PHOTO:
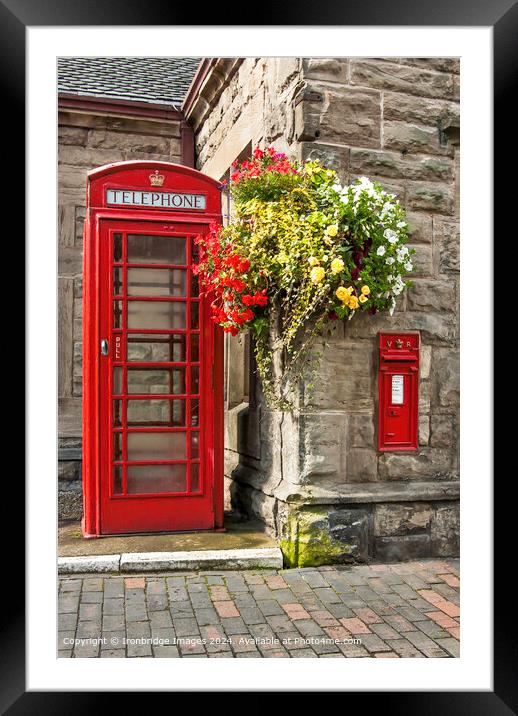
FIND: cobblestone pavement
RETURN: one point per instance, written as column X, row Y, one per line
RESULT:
column 399, row 610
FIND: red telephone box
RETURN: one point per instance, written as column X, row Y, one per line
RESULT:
column 398, row 392
column 152, row 358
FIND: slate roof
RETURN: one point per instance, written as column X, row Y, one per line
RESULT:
column 158, row 80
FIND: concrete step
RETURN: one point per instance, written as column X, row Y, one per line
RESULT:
column 254, row 558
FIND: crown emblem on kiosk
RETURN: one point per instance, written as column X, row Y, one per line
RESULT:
column 156, row 178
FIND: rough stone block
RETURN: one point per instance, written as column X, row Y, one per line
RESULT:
column 447, row 244
column 430, row 197
column 446, row 378
column 334, row 69
column 401, row 78
column 418, row 139
column 427, row 463
column 402, row 549
column 74, row 136
column 345, row 378
column 362, row 465
column 323, row 447
column 424, row 429
column 425, row 362
column 442, row 430
column 333, row 157
column 440, row 64
column 431, row 295
column 422, row 261
column 425, row 396
column 420, row 228
column 70, row 261
column 429, row 112
column 87, row 157
column 352, row 527
column 436, row 329
column 445, row 530
column 343, row 115
column 320, row 535
column 390, row 164
column 69, row 470
column 402, row 519
column 105, row 139
column 360, row 431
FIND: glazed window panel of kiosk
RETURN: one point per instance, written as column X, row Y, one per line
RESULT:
column 157, row 348
column 144, row 479
column 168, row 381
column 169, row 315
column 152, row 249
column 156, row 446
column 157, row 282
column 156, row 413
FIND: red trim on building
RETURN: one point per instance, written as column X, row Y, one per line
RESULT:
column 194, row 88
column 105, row 105
column 187, row 144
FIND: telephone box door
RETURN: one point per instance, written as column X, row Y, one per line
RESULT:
column 156, row 409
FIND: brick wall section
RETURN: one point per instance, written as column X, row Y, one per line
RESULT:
column 86, row 141
column 395, row 120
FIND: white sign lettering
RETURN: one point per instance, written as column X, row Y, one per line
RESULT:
column 398, row 389
column 163, row 199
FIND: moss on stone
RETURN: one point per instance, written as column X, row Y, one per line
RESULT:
column 307, row 540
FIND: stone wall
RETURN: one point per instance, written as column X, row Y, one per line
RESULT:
column 86, row 141
column 316, row 477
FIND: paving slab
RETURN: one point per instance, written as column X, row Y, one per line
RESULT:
column 238, row 535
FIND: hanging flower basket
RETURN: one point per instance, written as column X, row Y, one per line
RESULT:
column 302, row 252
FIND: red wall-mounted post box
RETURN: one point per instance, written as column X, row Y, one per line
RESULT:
column 398, row 392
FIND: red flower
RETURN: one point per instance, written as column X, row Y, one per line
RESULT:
column 258, row 153
column 260, row 299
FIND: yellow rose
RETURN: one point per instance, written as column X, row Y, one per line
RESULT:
column 337, row 265
column 313, row 261
column 363, row 298
column 353, row 302
column 342, row 294
column 317, row 274
column 365, row 290
column 332, row 230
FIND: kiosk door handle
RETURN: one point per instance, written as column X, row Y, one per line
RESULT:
column 104, row 347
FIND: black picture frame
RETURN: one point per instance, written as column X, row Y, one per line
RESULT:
column 502, row 16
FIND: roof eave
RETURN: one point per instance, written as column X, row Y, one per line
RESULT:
column 122, row 107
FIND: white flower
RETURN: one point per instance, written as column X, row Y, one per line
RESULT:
column 390, row 235
column 401, row 224
column 337, row 188
column 390, row 260
column 390, row 278
column 402, row 253
column 381, row 251
column 409, row 266
column 398, row 286
column 393, row 306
